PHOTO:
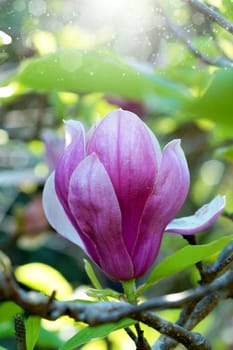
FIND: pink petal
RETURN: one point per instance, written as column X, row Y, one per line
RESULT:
column 202, row 219
column 73, row 154
column 167, row 198
column 64, row 224
column 131, row 156
column 91, row 131
column 94, row 205
column 56, row 215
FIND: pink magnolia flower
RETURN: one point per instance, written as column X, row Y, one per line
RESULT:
column 114, row 193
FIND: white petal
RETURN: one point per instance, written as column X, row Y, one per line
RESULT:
column 56, row 214
column 202, row 219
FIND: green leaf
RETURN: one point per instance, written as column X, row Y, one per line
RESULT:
column 182, row 259
column 103, row 294
column 49, row 339
column 99, row 71
column 7, row 311
column 2, row 348
column 90, row 333
column 215, row 102
column 32, row 331
column 91, row 274
column 7, row 329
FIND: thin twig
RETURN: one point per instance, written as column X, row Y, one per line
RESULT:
column 131, row 334
column 199, row 265
column 213, row 15
column 141, row 343
column 181, row 35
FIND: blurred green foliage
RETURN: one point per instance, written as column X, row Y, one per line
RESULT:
column 75, row 60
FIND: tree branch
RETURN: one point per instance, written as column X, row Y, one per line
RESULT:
column 190, row 319
column 191, row 340
column 96, row 313
column 197, row 302
column 103, row 312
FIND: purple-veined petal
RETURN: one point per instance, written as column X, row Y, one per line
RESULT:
column 64, row 224
column 131, row 157
column 202, row 219
column 91, row 132
column 174, row 180
column 163, row 204
column 94, row 205
column 73, row 154
column 56, row 215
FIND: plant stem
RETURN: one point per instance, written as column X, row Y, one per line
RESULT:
column 131, row 296
column 130, row 291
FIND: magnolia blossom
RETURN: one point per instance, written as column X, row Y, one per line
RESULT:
column 114, row 193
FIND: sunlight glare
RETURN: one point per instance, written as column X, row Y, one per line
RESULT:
column 5, row 38
column 7, row 91
column 128, row 22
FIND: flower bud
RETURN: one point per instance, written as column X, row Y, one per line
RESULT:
column 114, row 193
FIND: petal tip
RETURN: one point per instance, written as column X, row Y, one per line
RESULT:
column 218, row 203
column 201, row 220
column 72, row 129
column 175, row 146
